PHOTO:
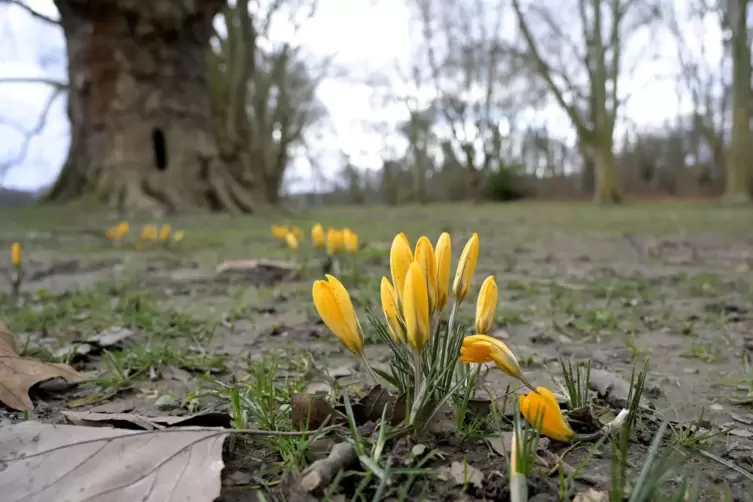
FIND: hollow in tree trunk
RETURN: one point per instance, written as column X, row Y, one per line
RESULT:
column 139, row 108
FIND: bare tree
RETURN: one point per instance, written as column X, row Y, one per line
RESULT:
column 735, row 23
column 606, row 28
column 477, row 84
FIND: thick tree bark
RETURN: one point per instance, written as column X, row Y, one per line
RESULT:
column 607, row 187
column 139, row 107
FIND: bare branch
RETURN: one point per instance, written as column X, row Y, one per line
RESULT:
column 57, row 84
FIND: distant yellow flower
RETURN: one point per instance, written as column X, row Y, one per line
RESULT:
column 391, row 311
column 15, row 254
column 164, row 232
column 291, row 240
column 178, row 235
column 297, row 232
column 334, row 241
column 443, row 257
column 280, row 231
column 317, row 235
column 425, row 258
column 416, row 307
column 543, row 412
column 401, row 257
column 486, row 306
column 350, row 239
column 123, row 228
column 485, row 349
column 334, row 306
column 466, row 267
column 149, row 232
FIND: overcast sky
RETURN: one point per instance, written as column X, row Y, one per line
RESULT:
column 368, row 36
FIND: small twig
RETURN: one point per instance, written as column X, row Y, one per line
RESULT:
column 320, row 473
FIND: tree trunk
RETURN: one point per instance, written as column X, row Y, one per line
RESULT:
column 139, row 107
column 739, row 158
column 607, row 189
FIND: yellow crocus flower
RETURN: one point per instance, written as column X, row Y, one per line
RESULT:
column 334, row 306
column 443, row 258
column 401, row 257
column 416, row 307
column 350, row 239
column 149, row 232
column 391, row 311
column 280, row 231
column 291, row 240
column 466, row 267
column 164, row 232
column 486, row 306
column 542, row 411
column 485, row 349
column 178, row 235
column 334, row 241
column 317, row 235
column 15, row 254
column 425, row 258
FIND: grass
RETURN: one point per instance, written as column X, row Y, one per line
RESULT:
column 574, row 295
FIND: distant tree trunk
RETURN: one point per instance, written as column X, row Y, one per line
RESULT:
column 139, row 107
column 607, row 187
column 739, row 158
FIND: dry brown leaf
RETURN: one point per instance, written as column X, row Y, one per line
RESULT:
column 591, row 496
column 311, row 411
column 134, row 421
column 462, row 473
column 97, row 464
column 19, row 374
column 253, row 265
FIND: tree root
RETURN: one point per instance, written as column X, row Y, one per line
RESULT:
column 320, row 474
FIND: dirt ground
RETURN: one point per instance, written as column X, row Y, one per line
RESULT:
column 669, row 282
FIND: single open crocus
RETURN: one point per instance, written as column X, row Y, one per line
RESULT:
column 426, row 259
column 178, row 235
column 542, row 411
column 416, row 307
column 291, row 240
column 466, row 266
column 401, row 258
column 443, row 258
column 350, row 239
column 391, row 312
column 317, row 236
column 486, row 306
column 486, row 349
column 334, row 306
column 15, row 254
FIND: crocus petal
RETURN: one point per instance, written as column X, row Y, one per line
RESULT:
column 542, row 411
column 401, row 257
column 486, row 349
column 391, row 312
column 443, row 258
column 486, row 305
column 333, row 304
column 15, row 254
column 426, row 259
column 466, row 267
column 291, row 240
column 416, row 307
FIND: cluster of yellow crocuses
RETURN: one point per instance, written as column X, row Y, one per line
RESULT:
column 413, row 303
column 334, row 241
column 149, row 234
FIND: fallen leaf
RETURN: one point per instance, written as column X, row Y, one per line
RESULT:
column 741, row 433
column 311, row 411
column 111, row 337
column 134, row 421
column 177, row 374
column 370, row 407
column 611, row 387
column 246, row 265
column 97, row 464
column 500, row 444
column 19, row 374
column 463, row 473
column 591, row 496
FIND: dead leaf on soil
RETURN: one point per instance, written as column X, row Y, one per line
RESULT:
column 310, row 411
column 462, row 473
column 611, row 387
column 134, row 421
column 97, row 464
column 19, row 374
column 111, row 337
